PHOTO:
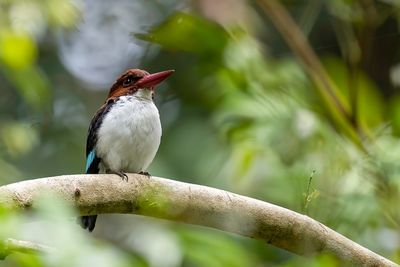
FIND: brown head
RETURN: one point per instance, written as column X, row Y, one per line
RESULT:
column 134, row 79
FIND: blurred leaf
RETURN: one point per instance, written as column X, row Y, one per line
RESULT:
column 9, row 173
column 54, row 225
column 394, row 109
column 371, row 107
column 369, row 102
column 10, row 223
column 26, row 260
column 214, row 249
column 322, row 260
column 18, row 138
column 33, row 86
column 64, row 13
column 186, row 32
column 17, row 50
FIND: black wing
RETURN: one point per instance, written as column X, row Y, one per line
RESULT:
column 92, row 160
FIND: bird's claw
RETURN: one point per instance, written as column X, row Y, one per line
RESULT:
column 145, row 173
column 123, row 175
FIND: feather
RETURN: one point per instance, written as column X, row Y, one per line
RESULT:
column 92, row 161
column 90, row 158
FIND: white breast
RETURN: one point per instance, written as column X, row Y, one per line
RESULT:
column 129, row 136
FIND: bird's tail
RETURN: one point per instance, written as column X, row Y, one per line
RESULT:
column 88, row 222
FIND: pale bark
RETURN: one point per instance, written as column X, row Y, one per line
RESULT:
column 194, row 204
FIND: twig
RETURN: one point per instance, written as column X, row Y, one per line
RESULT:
column 201, row 205
column 309, row 196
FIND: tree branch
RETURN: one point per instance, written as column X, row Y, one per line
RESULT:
column 193, row 204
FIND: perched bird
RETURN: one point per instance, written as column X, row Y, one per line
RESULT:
column 125, row 132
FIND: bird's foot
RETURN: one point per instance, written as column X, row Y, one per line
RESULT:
column 145, row 173
column 123, row 175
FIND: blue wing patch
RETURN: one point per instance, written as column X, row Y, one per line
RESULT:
column 90, row 158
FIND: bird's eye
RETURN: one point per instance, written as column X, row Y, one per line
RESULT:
column 128, row 81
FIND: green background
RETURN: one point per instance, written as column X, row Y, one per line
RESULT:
column 240, row 113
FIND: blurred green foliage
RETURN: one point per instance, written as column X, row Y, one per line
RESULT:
column 240, row 114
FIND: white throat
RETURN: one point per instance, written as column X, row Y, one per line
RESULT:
column 144, row 94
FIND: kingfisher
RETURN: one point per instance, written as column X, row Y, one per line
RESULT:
column 125, row 132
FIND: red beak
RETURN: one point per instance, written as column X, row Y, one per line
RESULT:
column 154, row 79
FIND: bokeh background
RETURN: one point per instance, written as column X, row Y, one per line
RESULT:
column 245, row 111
